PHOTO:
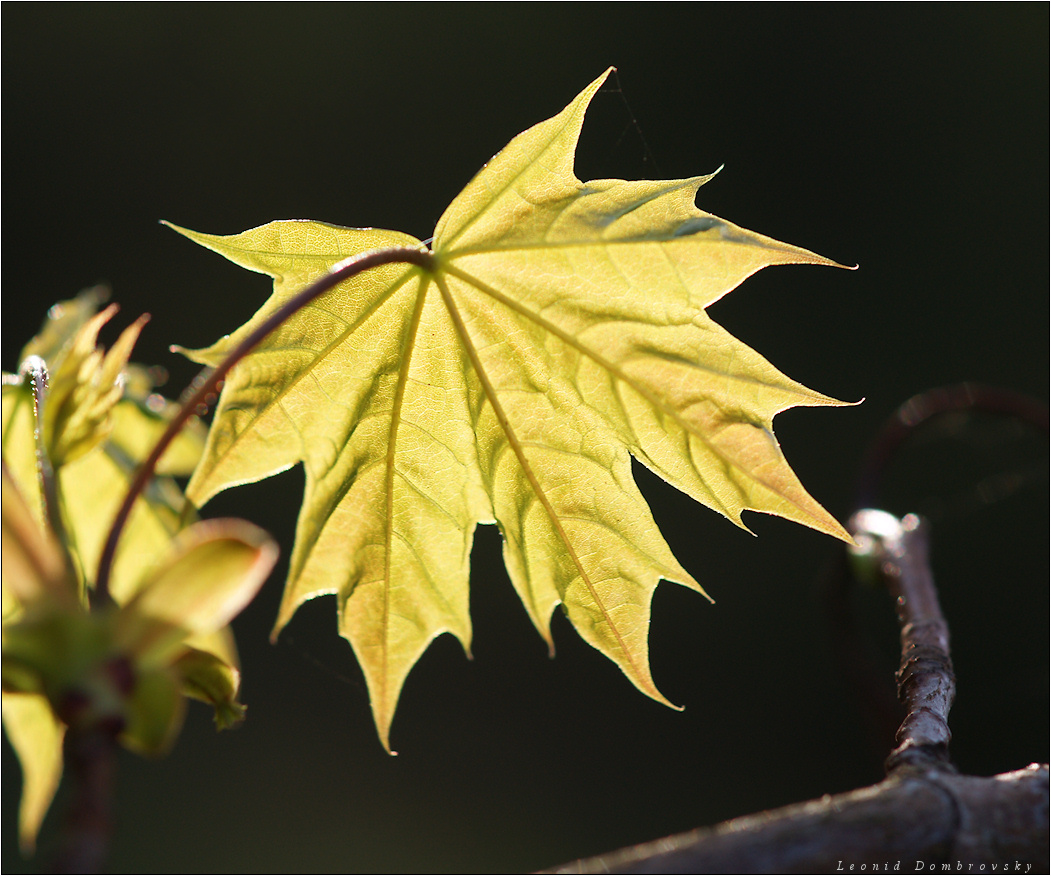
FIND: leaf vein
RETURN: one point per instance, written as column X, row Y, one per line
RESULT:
column 651, row 398
column 278, row 396
column 537, row 488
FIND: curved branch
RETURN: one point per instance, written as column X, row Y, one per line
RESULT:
column 920, row 410
column 905, row 824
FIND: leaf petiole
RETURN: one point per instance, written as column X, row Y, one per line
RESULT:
column 346, row 269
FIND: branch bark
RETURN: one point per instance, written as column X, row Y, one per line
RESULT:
column 907, row 823
column 923, row 815
column 926, row 682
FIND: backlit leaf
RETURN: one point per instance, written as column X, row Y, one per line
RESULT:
column 559, row 329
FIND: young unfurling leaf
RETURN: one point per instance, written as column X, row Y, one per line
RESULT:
column 99, row 420
column 74, row 429
column 125, row 667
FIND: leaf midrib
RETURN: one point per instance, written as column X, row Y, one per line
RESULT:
column 538, row 490
column 392, row 440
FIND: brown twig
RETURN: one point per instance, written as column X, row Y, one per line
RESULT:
column 925, row 413
column 923, row 813
column 898, row 550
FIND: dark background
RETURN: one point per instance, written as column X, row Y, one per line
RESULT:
column 908, row 139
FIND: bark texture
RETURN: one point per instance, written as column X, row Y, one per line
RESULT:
column 917, row 820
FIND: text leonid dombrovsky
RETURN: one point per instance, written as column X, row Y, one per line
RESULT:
column 926, row 867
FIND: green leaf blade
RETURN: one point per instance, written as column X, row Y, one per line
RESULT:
column 560, row 330
column 278, row 391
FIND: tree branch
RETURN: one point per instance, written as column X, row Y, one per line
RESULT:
column 91, row 762
column 923, row 813
column 913, row 821
column 926, row 683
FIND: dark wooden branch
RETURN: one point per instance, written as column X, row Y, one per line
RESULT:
column 933, row 818
column 926, row 684
column 923, row 814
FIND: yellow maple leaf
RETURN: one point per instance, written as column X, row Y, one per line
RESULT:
column 555, row 329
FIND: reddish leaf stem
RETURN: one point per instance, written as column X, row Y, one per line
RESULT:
column 351, row 267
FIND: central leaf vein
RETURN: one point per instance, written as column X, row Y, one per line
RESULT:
column 519, row 451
